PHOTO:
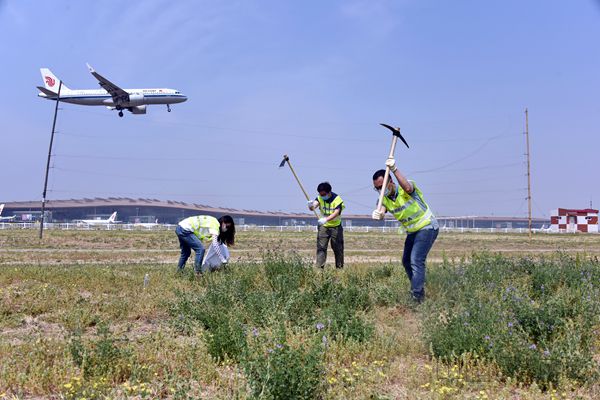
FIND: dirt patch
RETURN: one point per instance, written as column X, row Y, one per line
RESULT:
column 32, row 327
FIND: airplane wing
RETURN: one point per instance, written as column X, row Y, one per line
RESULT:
column 119, row 95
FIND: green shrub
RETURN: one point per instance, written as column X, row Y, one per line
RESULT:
column 225, row 337
column 282, row 371
column 280, row 289
column 534, row 318
column 343, row 322
column 216, row 311
column 285, row 274
column 106, row 356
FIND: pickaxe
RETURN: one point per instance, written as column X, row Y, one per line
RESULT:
column 281, row 164
column 395, row 135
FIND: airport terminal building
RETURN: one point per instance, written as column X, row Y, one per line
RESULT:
column 171, row 212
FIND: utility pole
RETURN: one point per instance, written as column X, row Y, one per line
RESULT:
column 48, row 162
column 528, row 171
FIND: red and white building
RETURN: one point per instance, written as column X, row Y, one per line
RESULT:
column 566, row 220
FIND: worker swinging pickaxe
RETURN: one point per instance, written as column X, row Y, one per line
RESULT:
column 281, row 164
column 395, row 135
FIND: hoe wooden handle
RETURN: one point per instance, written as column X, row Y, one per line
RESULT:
column 300, row 184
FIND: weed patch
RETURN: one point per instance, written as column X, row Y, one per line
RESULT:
column 285, row 295
column 535, row 319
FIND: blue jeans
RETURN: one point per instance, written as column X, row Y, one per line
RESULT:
column 416, row 248
column 187, row 242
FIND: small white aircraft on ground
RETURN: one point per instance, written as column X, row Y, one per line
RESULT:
column 5, row 219
column 147, row 224
column 111, row 95
column 543, row 228
column 97, row 222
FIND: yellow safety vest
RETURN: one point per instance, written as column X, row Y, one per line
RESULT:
column 412, row 214
column 328, row 207
column 203, row 226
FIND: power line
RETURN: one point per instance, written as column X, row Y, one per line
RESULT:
column 327, row 130
column 497, row 166
column 473, row 192
column 473, row 153
column 77, row 171
column 486, row 179
column 197, row 195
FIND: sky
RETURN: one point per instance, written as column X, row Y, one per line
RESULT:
column 313, row 80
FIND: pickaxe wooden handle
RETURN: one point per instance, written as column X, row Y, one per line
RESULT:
column 395, row 135
column 287, row 159
column 386, row 177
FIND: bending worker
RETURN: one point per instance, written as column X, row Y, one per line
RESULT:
column 408, row 206
column 330, row 225
column 193, row 230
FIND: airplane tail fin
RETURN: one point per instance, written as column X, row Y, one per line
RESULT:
column 112, row 217
column 1, row 208
column 51, row 82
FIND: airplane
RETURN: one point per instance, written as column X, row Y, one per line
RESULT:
column 96, row 222
column 147, row 224
column 543, row 228
column 112, row 96
column 5, row 219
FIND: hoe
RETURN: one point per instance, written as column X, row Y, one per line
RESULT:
column 281, row 164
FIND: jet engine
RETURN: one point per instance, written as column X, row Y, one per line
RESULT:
column 136, row 99
column 138, row 109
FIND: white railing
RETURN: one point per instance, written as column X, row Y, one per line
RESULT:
column 247, row 228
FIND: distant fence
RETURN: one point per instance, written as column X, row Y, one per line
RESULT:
column 248, row 228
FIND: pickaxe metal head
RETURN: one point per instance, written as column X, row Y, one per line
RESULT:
column 285, row 158
column 396, row 132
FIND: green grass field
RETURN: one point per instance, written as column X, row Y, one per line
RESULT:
column 505, row 318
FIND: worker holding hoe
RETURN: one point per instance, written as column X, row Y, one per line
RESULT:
column 193, row 230
column 407, row 205
column 330, row 224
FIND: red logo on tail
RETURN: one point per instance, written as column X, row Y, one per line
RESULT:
column 49, row 81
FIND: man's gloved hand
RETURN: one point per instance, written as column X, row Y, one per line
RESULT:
column 378, row 215
column 322, row 221
column 311, row 205
column 391, row 163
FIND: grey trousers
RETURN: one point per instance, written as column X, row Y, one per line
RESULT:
column 336, row 235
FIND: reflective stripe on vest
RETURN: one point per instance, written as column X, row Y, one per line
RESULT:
column 408, row 211
column 416, row 226
column 328, row 208
column 404, row 207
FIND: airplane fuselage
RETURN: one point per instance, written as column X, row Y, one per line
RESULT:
column 93, row 222
column 138, row 97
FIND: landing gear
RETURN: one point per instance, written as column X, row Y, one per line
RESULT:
column 121, row 114
column 168, row 108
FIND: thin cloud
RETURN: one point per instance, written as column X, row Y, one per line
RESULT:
column 13, row 13
column 376, row 18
